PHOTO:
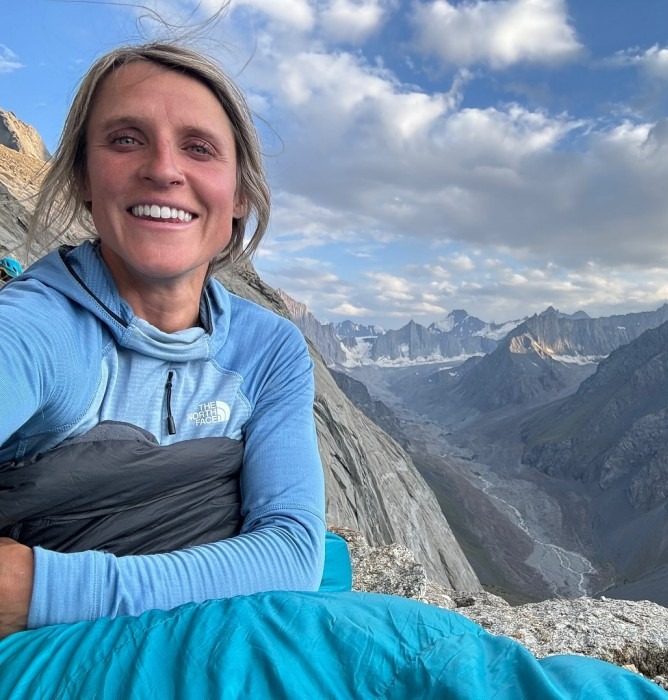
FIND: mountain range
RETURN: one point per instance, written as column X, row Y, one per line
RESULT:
column 349, row 344
column 581, row 401
column 551, row 335
column 540, row 360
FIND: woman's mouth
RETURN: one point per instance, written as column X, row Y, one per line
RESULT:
column 155, row 211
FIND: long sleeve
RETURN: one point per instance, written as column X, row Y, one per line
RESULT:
column 42, row 365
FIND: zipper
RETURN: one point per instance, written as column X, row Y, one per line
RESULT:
column 171, row 426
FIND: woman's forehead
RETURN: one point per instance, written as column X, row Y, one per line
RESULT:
column 147, row 87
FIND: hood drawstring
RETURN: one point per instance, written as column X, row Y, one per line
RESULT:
column 171, row 426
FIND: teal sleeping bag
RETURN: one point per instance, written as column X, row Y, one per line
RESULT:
column 289, row 646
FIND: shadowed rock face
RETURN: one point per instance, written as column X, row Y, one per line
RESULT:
column 612, row 436
column 372, row 485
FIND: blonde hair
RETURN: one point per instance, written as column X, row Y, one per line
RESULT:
column 60, row 202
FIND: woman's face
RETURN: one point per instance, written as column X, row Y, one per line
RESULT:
column 161, row 176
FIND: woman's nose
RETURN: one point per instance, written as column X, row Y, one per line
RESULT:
column 161, row 165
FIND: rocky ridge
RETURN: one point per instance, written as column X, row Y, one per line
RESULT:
column 21, row 137
column 322, row 335
column 623, row 405
column 372, row 408
column 546, row 357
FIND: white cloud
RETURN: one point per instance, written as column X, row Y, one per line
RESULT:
column 504, row 176
column 498, row 296
column 497, row 32
column 338, row 89
column 8, row 60
column 298, row 14
column 349, row 310
column 654, row 61
column 463, row 262
column 390, row 287
column 351, row 21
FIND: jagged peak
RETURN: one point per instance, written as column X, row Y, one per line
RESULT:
column 550, row 311
column 459, row 315
column 21, row 137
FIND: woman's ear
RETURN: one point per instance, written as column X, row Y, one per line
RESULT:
column 84, row 191
column 240, row 206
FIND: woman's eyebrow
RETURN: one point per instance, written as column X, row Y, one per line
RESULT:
column 119, row 121
column 188, row 129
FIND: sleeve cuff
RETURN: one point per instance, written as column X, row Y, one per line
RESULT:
column 66, row 587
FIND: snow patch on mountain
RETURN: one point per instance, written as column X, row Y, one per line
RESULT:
column 494, row 332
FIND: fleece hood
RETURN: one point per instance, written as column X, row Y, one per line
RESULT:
column 81, row 275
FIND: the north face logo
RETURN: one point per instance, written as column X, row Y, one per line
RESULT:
column 212, row 412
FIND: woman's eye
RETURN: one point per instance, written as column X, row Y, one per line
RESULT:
column 125, row 140
column 201, row 149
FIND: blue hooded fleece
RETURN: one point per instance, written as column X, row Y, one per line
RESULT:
column 73, row 354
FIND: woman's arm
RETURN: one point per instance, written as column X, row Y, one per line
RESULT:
column 16, row 577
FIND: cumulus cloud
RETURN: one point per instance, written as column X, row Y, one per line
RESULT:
column 507, row 292
column 463, row 262
column 349, row 310
column 9, row 61
column 351, row 21
column 496, row 32
column 654, row 61
column 506, row 176
column 297, row 14
column 339, row 85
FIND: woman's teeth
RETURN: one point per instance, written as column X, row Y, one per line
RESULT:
column 157, row 212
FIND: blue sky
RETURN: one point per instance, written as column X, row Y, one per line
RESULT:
column 498, row 156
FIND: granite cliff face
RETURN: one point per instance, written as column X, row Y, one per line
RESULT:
column 322, row 335
column 371, row 483
column 372, row 408
column 578, row 336
column 21, row 137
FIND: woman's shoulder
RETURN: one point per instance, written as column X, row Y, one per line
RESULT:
column 37, row 317
column 246, row 316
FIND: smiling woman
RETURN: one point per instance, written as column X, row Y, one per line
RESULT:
column 161, row 182
column 159, row 464
column 124, row 338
